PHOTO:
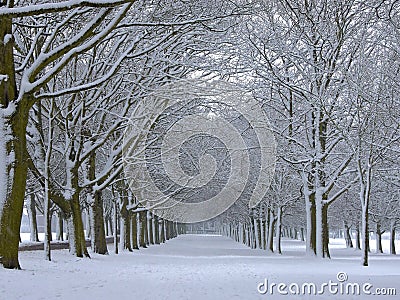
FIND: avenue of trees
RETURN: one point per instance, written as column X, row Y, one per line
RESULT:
column 326, row 72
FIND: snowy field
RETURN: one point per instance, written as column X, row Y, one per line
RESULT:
column 196, row 267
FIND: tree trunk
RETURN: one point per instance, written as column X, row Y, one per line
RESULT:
column 263, row 234
column 96, row 212
column 378, row 238
column 151, row 231
column 162, row 236
column 278, row 230
column 98, row 235
column 393, row 237
column 318, row 228
column 14, row 177
column 358, row 244
column 134, row 230
column 365, row 235
column 110, row 226
column 347, row 235
column 259, row 241
column 60, row 226
column 243, row 234
column 115, row 226
column 311, row 230
column 295, row 233
column 253, row 234
column 88, row 222
column 272, row 220
column 121, row 233
column 127, row 225
column 325, row 231
column 168, row 230
column 143, row 228
column 13, row 122
column 156, row 230
column 77, row 242
column 266, row 226
column 47, row 231
column 31, row 207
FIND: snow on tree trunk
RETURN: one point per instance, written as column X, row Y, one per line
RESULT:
column 121, row 233
column 318, row 224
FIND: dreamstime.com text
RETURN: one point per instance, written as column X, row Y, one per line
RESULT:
column 340, row 286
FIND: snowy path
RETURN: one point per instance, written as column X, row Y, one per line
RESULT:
column 189, row 267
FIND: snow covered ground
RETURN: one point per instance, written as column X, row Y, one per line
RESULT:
column 198, row 267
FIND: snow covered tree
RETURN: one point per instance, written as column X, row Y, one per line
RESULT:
column 35, row 47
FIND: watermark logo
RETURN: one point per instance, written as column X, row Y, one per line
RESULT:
column 193, row 148
column 340, row 286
